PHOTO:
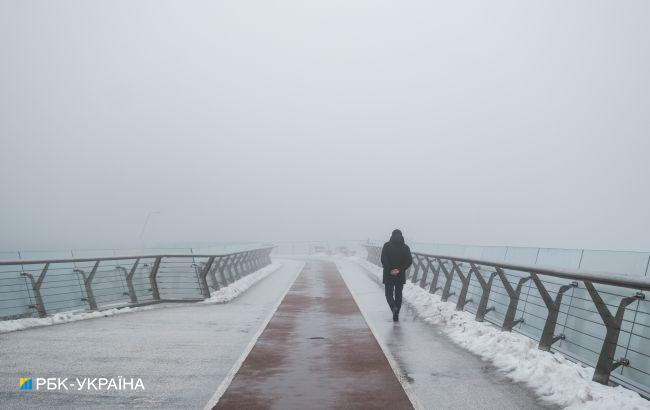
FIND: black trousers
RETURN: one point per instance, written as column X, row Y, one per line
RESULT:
column 394, row 294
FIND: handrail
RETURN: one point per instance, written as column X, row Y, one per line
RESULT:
column 117, row 258
column 485, row 272
column 604, row 278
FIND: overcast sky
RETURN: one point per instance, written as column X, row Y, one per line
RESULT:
column 482, row 122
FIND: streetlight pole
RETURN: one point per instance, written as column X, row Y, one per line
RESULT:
column 144, row 227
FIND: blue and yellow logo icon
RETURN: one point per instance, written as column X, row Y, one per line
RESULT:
column 25, row 383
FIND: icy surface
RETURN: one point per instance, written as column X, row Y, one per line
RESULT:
column 223, row 295
column 432, row 367
column 181, row 352
column 554, row 378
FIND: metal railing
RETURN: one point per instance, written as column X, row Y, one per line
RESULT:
column 598, row 319
column 40, row 287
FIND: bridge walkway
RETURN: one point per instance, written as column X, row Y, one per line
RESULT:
column 181, row 352
column 438, row 372
column 316, row 352
column 331, row 343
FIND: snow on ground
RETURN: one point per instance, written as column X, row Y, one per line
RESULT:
column 235, row 289
column 63, row 317
column 223, row 295
column 554, row 378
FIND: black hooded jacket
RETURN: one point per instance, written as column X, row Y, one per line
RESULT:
column 396, row 255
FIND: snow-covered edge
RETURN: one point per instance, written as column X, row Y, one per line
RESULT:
column 235, row 289
column 223, row 295
column 552, row 377
column 64, row 317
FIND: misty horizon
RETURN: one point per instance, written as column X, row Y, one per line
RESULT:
column 463, row 123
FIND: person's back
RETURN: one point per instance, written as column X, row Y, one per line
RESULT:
column 396, row 259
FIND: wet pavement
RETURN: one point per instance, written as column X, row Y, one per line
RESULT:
column 438, row 372
column 317, row 352
column 181, row 352
column 321, row 349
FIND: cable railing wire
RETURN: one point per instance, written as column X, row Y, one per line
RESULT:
column 45, row 286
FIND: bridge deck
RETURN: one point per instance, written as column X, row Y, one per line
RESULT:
column 441, row 374
column 180, row 351
column 183, row 352
column 316, row 352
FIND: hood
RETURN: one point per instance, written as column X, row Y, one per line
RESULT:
column 396, row 237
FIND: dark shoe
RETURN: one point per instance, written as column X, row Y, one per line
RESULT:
column 395, row 315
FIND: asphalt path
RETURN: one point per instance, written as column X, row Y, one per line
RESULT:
column 181, row 352
column 316, row 353
column 438, row 372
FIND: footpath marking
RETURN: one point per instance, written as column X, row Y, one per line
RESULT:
column 235, row 368
column 316, row 352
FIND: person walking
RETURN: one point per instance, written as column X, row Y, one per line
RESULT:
column 396, row 259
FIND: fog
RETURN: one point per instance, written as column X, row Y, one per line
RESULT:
column 501, row 122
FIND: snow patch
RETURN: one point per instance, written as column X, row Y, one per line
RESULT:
column 63, row 317
column 554, row 378
column 237, row 288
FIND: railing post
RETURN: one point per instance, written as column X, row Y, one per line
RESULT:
column 222, row 269
column 436, row 274
column 450, row 277
column 243, row 266
column 212, row 272
column 246, row 263
column 606, row 362
column 425, row 272
column 90, row 296
column 230, row 268
column 236, row 266
column 89, row 287
column 243, row 271
column 36, row 288
column 462, row 298
column 249, row 262
column 248, row 266
column 255, row 259
column 129, row 280
column 203, row 278
column 262, row 258
column 153, row 280
column 486, row 286
column 416, row 268
column 509, row 321
column 553, row 306
column 265, row 259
